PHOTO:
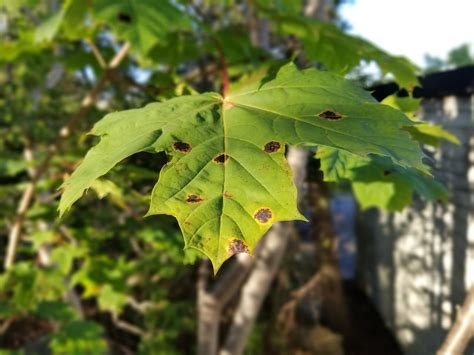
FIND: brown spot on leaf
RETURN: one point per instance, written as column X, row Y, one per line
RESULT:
column 194, row 198
column 221, row 158
column 271, row 147
column 182, row 147
column 124, row 17
column 263, row 215
column 330, row 115
column 228, row 195
column 237, row 246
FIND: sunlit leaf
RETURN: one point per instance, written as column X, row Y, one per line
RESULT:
column 425, row 133
column 11, row 167
column 377, row 181
column 48, row 29
column 431, row 134
column 105, row 188
column 228, row 180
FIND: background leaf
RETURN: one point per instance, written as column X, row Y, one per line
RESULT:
column 377, row 181
column 144, row 23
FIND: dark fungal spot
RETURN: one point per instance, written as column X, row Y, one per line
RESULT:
column 263, row 215
column 194, row 198
column 237, row 246
column 271, row 147
column 386, row 172
column 124, row 17
column 330, row 115
column 182, row 147
column 221, row 158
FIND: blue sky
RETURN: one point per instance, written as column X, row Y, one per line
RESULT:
column 413, row 27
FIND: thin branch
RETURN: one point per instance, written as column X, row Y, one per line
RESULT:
column 144, row 306
column 97, row 54
column 462, row 330
column 131, row 328
column 28, row 194
column 6, row 324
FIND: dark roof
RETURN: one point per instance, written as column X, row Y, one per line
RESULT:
column 458, row 82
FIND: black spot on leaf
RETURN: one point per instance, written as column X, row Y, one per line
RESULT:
column 329, row 115
column 221, row 158
column 194, row 198
column 182, row 147
column 237, row 246
column 271, row 147
column 124, row 17
column 387, row 172
column 263, row 215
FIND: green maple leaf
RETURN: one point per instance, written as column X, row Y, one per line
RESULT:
column 377, row 181
column 228, row 179
column 144, row 23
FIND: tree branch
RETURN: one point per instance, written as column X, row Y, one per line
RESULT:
column 213, row 298
column 97, row 54
column 209, row 312
column 27, row 197
column 462, row 330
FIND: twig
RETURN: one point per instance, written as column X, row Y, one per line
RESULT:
column 98, row 56
column 6, row 324
column 462, row 330
column 144, row 306
column 27, row 197
column 223, row 64
column 131, row 328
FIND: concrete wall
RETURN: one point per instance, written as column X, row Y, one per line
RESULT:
column 418, row 264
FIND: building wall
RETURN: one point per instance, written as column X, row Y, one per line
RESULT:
column 418, row 264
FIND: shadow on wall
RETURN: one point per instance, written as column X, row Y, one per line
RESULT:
column 421, row 261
